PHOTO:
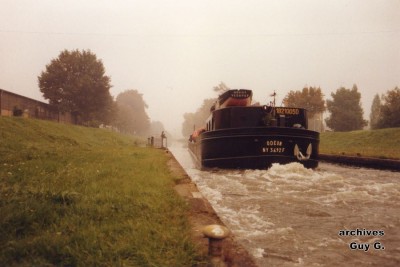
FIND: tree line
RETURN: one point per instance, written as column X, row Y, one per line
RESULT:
column 191, row 120
column 76, row 82
column 385, row 110
column 345, row 110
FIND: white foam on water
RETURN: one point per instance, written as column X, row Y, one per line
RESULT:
column 282, row 231
column 258, row 252
column 246, row 220
column 228, row 184
column 293, row 169
column 330, row 242
column 214, row 196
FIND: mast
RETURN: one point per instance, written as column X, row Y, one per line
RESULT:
column 273, row 95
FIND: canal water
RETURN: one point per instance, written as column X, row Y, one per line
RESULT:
column 292, row 216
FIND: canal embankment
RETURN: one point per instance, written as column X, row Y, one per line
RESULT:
column 367, row 148
column 366, row 162
column 79, row 196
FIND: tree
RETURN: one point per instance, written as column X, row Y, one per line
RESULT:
column 76, row 82
column 346, row 111
column 132, row 117
column 197, row 119
column 375, row 116
column 390, row 109
column 189, row 124
column 310, row 98
column 221, row 88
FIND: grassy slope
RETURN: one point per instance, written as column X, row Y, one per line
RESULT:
column 83, row 197
column 383, row 143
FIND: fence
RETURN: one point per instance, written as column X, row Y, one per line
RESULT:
column 160, row 142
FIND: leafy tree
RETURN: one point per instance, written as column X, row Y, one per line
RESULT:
column 221, row 88
column 310, row 98
column 189, row 124
column 76, row 82
column 375, row 116
column 346, row 111
column 197, row 119
column 132, row 117
column 390, row 109
column 125, row 119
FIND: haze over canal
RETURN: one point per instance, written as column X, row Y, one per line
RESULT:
column 292, row 216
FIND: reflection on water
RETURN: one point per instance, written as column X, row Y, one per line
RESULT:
column 292, row 216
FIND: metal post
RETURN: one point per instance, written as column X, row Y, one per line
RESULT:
column 216, row 234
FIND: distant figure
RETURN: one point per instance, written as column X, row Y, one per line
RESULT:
column 162, row 139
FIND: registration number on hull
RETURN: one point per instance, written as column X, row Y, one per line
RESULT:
column 273, row 147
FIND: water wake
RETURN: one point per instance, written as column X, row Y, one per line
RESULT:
column 289, row 215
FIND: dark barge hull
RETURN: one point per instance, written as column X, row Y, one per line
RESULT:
column 255, row 148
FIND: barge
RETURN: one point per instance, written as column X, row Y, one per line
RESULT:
column 240, row 135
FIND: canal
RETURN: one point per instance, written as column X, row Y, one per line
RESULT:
column 292, row 216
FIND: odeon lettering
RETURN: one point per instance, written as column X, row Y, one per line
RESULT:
column 274, row 143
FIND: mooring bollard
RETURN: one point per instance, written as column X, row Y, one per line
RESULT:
column 216, row 234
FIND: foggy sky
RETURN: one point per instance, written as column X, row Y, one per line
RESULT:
column 174, row 52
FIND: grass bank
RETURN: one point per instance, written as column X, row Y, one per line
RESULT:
column 86, row 197
column 383, row 143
